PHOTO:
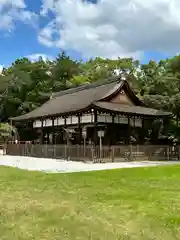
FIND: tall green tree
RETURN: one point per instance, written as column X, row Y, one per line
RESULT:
column 63, row 71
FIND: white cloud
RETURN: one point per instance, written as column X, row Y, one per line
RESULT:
column 47, row 5
column 113, row 28
column 36, row 56
column 12, row 11
column 46, row 34
column 13, row 3
column 1, row 68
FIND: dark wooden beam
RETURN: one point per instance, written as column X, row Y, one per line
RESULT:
column 95, row 127
column 53, row 132
column 79, row 130
column 129, row 130
column 143, row 131
column 41, row 133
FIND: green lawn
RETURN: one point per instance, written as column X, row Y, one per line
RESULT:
column 124, row 204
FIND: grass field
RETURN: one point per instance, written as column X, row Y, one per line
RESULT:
column 142, row 203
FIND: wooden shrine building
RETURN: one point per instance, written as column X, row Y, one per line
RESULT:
column 108, row 110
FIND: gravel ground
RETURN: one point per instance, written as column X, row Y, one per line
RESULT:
column 58, row 166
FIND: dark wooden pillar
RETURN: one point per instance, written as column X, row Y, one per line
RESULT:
column 129, row 131
column 79, row 130
column 53, row 132
column 112, row 134
column 48, row 138
column 142, row 134
column 41, row 133
column 143, row 130
column 95, row 128
column 65, row 135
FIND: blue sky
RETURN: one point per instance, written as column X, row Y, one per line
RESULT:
column 86, row 30
column 23, row 40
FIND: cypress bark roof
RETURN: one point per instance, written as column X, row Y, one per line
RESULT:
column 74, row 99
column 83, row 97
column 132, row 110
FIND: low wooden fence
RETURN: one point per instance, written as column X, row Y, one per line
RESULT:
column 96, row 154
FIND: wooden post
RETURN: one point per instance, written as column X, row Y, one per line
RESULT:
column 95, row 128
column 142, row 132
column 79, row 130
column 84, row 140
column 41, row 133
column 131, row 152
column 112, row 148
column 92, row 153
column 53, row 134
column 65, row 151
column 100, row 145
column 47, row 142
column 54, row 150
column 84, row 145
column 128, row 140
column 46, row 150
column 168, row 153
column 100, row 135
column 65, row 138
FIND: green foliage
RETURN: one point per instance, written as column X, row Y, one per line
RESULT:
column 7, row 132
column 25, row 85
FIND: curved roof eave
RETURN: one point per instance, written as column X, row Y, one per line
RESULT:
column 131, row 110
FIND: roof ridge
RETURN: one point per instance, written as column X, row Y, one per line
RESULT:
column 88, row 86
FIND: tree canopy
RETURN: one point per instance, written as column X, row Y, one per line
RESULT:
column 25, row 85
